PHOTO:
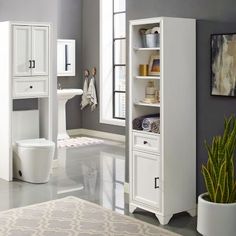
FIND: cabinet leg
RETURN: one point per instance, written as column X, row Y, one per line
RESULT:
column 192, row 212
column 132, row 208
column 164, row 220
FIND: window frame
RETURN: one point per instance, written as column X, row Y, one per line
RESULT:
column 114, row 90
column 106, row 76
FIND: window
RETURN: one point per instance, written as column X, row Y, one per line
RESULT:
column 119, row 58
column 112, row 61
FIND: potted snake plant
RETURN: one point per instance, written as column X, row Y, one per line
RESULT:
column 217, row 207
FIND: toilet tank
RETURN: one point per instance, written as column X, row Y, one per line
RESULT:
column 25, row 125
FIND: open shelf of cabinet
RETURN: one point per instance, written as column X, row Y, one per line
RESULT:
column 147, row 104
column 148, row 77
column 145, row 132
column 147, row 49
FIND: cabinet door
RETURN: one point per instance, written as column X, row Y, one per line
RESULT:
column 65, row 57
column 146, row 178
column 21, row 50
column 40, row 50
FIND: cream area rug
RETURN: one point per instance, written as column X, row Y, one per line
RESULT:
column 72, row 216
column 77, row 142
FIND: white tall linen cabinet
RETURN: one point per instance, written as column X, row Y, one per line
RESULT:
column 162, row 167
column 25, row 73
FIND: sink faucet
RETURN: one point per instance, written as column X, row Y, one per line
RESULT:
column 59, row 86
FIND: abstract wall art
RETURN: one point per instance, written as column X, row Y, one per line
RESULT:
column 223, row 64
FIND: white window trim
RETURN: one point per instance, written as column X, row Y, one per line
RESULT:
column 105, row 75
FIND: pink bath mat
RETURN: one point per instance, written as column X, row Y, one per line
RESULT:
column 78, row 142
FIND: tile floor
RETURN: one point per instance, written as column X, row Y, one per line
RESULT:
column 94, row 173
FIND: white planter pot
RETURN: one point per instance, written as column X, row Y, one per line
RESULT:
column 216, row 219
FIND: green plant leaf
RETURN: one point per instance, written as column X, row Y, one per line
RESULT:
column 210, row 154
column 218, row 194
column 208, row 182
column 216, row 157
column 227, row 128
column 219, row 172
column 230, row 171
column 232, row 137
column 212, row 172
column 232, row 197
column 221, row 152
column 221, row 183
column 225, row 192
column 215, row 149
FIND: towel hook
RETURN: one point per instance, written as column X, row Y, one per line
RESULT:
column 86, row 73
column 94, row 70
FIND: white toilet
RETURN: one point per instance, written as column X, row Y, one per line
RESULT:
column 32, row 160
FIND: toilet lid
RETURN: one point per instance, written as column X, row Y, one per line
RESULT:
column 41, row 142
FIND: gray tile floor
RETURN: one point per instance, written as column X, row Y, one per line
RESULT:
column 94, row 173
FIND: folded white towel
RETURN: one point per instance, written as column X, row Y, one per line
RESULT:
column 85, row 100
column 92, row 95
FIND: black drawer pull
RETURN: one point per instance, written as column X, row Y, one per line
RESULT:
column 33, row 66
column 30, row 64
column 31, row 86
column 145, row 142
column 155, row 185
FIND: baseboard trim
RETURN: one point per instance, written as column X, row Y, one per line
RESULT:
column 126, row 187
column 98, row 134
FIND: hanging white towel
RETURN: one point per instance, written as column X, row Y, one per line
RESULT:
column 85, row 100
column 92, row 95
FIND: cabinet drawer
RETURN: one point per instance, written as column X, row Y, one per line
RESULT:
column 146, row 142
column 28, row 88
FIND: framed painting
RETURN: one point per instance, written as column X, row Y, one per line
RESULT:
column 154, row 65
column 223, row 64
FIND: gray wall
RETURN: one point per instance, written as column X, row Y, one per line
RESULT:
column 70, row 27
column 79, row 19
column 28, row 10
column 90, row 58
column 214, row 16
column 33, row 10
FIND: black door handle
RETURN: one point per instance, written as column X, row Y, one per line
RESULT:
column 30, row 64
column 66, row 57
column 155, row 184
column 67, row 64
column 145, row 142
column 33, row 66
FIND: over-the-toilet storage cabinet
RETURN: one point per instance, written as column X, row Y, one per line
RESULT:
column 162, row 167
column 25, row 73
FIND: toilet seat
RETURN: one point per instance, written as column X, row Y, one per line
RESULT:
column 35, row 143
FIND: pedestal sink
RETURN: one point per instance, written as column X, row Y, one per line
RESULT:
column 63, row 95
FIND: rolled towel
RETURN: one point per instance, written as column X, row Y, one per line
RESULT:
column 147, row 122
column 155, row 126
column 137, row 122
